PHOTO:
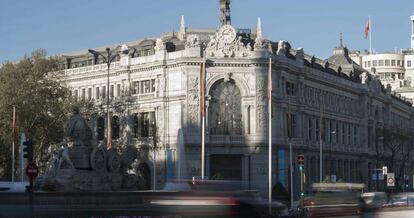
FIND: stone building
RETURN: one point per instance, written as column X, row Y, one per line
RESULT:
column 154, row 100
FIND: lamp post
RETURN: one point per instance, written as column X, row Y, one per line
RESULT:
column 108, row 60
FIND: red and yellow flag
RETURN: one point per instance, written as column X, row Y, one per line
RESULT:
column 367, row 28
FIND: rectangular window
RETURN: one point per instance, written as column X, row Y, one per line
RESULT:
column 349, row 134
column 398, row 63
column 97, row 93
column 330, row 131
column 147, row 124
column 355, row 135
column 291, row 125
column 408, row 63
column 381, row 63
column 387, row 62
column 343, row 133
column 89, row 93
column 374, row 63
column 369, row 63
column 118, row 90
column 83, row 94
column 147, row 86
column 153, row 85
column 317, row 129
column 290, row 88
column 103, row 92
column 135, row 88
column 392, row 62
column 76, row 95
column 141, row 87
column 310, row 129
column 337, row 133
column 111, row 91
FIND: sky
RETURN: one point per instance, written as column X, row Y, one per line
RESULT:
column 69, row 25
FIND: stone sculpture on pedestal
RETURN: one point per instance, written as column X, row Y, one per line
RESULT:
column 79, row 165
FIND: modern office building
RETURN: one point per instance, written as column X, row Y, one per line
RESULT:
column 155, row 86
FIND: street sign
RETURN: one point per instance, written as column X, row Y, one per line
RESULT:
column 384, row 170
column 380, row 176
column 32, row 170
column 390, row 180
column 333, row 178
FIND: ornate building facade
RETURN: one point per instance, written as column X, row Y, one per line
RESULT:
column 155, row 103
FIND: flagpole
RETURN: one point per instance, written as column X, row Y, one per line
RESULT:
column 370, row 34
column 203, row 118
column 270, row 133
column 14, row 133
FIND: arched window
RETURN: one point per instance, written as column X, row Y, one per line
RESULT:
column 115, row 127
column 225, row 112
column 100, row 130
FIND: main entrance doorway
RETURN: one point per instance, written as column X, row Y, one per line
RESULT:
column 226, row 167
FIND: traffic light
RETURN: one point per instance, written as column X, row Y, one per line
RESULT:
column 301, row 162
column 28, row 151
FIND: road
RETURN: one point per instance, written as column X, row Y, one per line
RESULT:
column 391, row 213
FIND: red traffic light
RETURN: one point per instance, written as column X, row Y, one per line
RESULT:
column 301, row 161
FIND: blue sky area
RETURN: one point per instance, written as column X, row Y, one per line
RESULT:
column 68, row 25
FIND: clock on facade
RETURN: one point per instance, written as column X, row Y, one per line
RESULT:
column 227, row 33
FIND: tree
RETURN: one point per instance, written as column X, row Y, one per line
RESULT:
column 42, row 105
column 398, row 148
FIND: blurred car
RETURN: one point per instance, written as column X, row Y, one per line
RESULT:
column 253, row 205
column 405, row 199
column 374, row 200
column 13, row 186
column 181, row 187
column 333, row 199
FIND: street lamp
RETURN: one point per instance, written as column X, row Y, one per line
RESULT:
column 108, row 60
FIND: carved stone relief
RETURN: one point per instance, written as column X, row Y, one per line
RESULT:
column 261, row 100
column 226, row 43
column 192, row 41
column 193, row 102
column 261, row 43
column 261, row 117
column 159, row 45
column 160, row 85
column 261, row 91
